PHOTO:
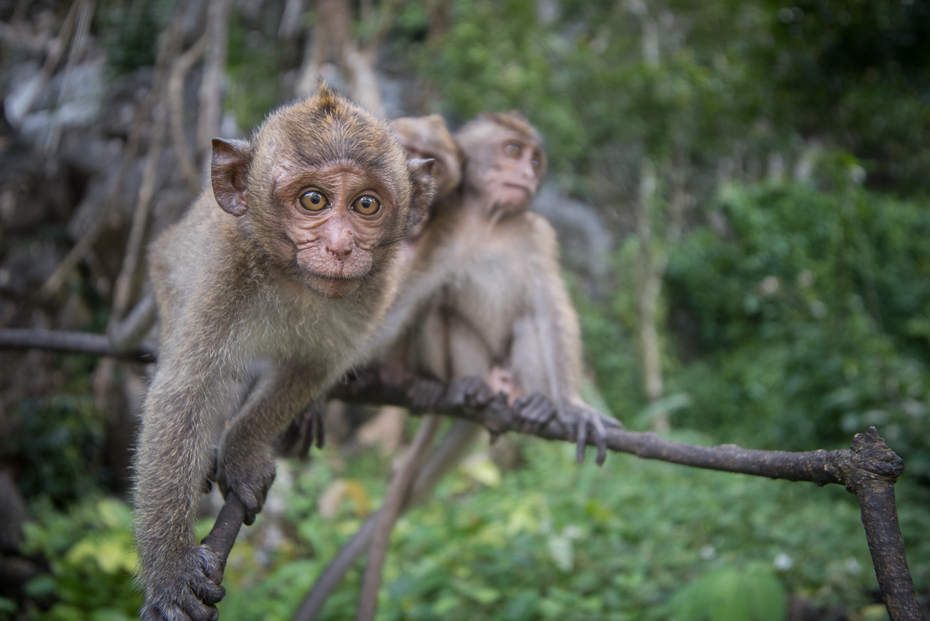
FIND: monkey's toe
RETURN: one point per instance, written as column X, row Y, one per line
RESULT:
column 588, row 422
column 534, row 410
column 425, row 394
column 469, row 392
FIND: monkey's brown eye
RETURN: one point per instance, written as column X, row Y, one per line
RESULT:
column 512, row 149
column 367, row 205
column 313, row 201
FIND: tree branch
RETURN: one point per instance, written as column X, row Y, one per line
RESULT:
column 175, row 99
column 868, row 469
column 71, row 343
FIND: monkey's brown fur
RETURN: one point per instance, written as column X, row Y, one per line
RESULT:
column 484, row 296
column 428, row 137
column 256, row 271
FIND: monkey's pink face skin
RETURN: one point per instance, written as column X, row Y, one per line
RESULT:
column 514, row 178
column 337, row 216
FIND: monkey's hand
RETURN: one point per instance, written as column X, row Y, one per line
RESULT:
column 470, row 392
column 587, row 421
column 246, row 469
column 189, row 591
column 424, row 394
column 535, row 411
column 304, row 431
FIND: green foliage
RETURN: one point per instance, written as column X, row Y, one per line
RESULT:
column 752, row 593
column 808, row 319
column 253, row 66
column 90, row 549
column 559, row 541
column 857, row 71
column 61, row 438
column 130, row 32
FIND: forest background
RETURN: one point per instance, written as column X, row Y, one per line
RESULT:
column 742, row 195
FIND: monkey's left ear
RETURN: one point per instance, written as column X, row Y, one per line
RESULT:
column 423, row 191
column 229, row 174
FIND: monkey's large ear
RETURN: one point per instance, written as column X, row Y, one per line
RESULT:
column 423, row 191
column 229, row 174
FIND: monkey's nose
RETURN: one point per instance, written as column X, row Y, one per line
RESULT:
column 340, row 249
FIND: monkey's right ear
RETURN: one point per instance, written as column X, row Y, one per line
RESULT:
column 423, row 191
column 229, row 173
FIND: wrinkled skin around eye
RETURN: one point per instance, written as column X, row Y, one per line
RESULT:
column 336, row 218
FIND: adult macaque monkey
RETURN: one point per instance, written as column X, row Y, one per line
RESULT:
column 291, row 259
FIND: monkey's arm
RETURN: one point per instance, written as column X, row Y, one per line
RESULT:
column 182, row 414
column 245, row 465
column 547, row 349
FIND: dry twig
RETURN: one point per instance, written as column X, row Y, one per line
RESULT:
column 170, row 41
column 179, row 70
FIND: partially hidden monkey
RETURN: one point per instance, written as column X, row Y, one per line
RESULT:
column 484, row 298
column 291, row 259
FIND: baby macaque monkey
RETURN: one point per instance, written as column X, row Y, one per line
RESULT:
column 292, row 259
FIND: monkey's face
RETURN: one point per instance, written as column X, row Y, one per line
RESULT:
column 336, row 218
column 513, row 170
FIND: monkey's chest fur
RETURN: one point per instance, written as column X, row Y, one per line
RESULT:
column 487, row 285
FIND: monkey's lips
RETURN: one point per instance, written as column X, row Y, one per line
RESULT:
column 332, row 286
column 516, row 193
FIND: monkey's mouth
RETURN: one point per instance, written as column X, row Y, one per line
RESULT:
column 528, row 191
column 332, row 286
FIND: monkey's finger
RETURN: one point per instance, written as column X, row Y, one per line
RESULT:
column 600, row 439
column 424, row 394
column 198, row 611
column 319, row 430
column 582, row 435
column 305, row 437
column 211, row 563
column 208, row 592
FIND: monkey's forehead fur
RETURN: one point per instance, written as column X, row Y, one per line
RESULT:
column 329, row 128
column 475, row 134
